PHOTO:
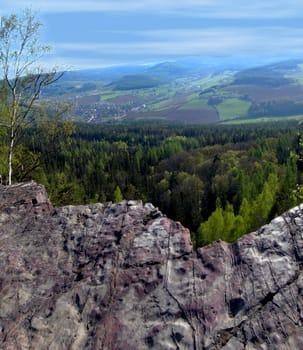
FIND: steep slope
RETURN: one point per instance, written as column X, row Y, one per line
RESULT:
column 123, row 276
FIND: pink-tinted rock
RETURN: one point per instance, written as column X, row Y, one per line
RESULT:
column 123, row 276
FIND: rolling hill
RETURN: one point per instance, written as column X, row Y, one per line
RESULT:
column 189, row 91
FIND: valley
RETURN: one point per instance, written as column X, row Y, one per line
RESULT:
column 183, row 93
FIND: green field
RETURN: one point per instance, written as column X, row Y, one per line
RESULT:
column 263, row 119
column 233, row 108
column 194, row 104
column 109, row 95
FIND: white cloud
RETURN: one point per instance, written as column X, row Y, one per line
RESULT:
column 58, row 6
column 100, row 5
column 214, row 41
column 221, row 9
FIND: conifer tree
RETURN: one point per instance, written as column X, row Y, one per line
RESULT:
column 118, row 195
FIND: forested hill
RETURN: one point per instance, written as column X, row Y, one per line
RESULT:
column 219, row 181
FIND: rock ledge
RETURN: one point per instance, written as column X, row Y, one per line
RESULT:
column 123, row 276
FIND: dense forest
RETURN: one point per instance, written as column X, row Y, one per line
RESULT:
column 219, row 181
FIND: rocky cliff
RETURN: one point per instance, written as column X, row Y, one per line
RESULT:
column 123, row 276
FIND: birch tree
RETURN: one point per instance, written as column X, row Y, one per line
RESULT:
column 21, row 77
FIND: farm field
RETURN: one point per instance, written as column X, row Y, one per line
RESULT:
column 268, row 119
column 233, row 108
column 265, row 93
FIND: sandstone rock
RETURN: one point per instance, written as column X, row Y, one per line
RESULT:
column 123, row 276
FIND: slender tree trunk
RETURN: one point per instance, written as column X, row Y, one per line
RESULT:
column 12, row 134
column 10, row 157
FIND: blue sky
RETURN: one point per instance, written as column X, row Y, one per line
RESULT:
column 96, row 33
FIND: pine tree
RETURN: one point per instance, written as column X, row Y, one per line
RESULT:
column 118, row 195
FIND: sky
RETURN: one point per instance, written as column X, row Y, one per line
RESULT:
column 98, row 33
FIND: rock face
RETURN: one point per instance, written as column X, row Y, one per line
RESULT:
column 123, row 276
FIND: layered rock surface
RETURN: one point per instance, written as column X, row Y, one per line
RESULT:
column 123, row 276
